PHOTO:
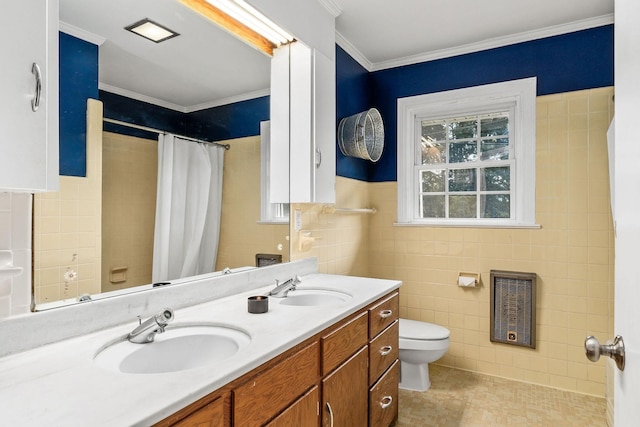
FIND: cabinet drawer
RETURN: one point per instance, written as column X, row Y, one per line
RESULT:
column 212, row 415
column 383, row 351
column 383, row 314
column 262, row 397
column 383, row 398
column 341, row 343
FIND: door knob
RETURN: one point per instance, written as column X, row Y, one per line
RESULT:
column 615, row 350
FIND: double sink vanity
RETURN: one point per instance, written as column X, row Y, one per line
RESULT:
column 325, row 354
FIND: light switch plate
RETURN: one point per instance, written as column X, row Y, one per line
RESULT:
column 297, row 220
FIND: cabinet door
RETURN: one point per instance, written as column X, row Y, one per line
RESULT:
column 303, row 413
column 300, row 113
column 345, row 393
column 324, row 129
column 29, row 139
column 279, row 127
column 312, row 125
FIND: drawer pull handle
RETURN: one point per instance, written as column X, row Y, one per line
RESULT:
column 386, row 350
column 35, row 102
column 330, row 413
column 386, row 313
column 386, row 402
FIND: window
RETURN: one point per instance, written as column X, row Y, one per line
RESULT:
column 467, row 157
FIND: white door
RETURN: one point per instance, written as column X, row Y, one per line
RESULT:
column 627, row 209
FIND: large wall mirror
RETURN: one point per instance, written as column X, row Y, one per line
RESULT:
column 96, row 235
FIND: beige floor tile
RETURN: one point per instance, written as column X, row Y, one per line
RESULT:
column 465, row 399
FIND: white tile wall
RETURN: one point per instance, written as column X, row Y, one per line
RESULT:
column 15, row 235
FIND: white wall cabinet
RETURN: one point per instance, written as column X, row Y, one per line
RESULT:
column 303, row 125
column 28, row 138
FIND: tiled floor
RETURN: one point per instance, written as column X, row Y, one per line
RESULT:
column 464, row 399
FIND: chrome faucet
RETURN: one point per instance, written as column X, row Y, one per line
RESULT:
column 147, row 330
column 282, row 289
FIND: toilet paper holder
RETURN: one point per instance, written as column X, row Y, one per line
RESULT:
column 468, row 280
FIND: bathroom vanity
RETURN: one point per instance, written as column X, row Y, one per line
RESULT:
column 351, row 368
column 334, row 360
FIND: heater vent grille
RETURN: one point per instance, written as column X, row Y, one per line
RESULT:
column 263, row 260
column 513, row 308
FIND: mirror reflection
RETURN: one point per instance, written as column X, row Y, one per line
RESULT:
column 97, row 233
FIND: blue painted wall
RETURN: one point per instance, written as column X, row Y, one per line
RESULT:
column 353, row 95
column 235, row 120
column 132, row 111
column 569, row 62
column 78, row 81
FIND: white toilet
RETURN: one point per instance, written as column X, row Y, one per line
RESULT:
column 421, row 343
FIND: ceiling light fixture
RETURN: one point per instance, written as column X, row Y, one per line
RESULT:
column 151, row 30
column 242, row 11
column 243, row 20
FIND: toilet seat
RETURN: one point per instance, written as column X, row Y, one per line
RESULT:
column 415, row 330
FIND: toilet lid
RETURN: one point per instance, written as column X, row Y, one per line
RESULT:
column 415, row 330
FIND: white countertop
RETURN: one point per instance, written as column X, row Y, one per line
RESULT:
column 60, row 385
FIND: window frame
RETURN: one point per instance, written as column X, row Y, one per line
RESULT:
column 517, row 94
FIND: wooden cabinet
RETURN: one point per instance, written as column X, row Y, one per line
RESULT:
column 212, row 415
column 29, row 104
column 211, row 411
column 269, row 392
column 304, row 412
column 383, row 314
column 344, row 393
column 342, row 342
column 347, row 373
column 383, row 398
column 383, row 351
column 383, row 361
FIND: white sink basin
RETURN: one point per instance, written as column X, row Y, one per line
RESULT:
column 315, row 297
column 179, row 348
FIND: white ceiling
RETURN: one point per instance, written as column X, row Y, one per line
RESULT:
column 390, row 33
column 205, row 66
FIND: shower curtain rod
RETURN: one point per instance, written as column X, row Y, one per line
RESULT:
column 158, row 131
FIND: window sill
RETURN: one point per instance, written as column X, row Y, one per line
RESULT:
column 274, row 221
column 465, row 225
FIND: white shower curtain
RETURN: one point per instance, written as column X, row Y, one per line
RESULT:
column 188, row 206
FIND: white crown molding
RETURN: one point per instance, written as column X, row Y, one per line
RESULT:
column 229, row 100
column 333, row 7
column 182, row 109
column 144, row 98
column 353, row 52
column 80, row 33
column 489, row 44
